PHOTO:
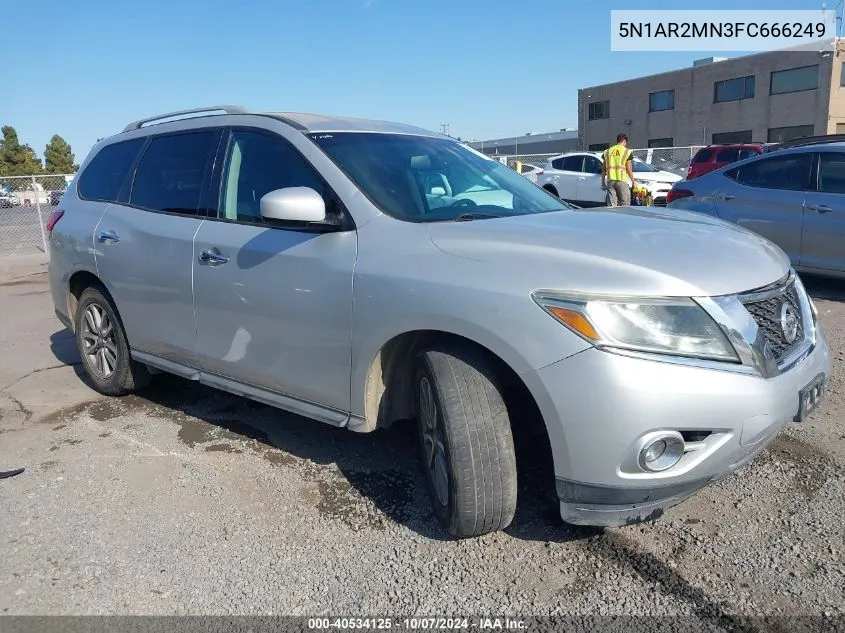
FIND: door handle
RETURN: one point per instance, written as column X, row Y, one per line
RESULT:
column 819, row 208
column 582, row 178
column 212, row 258
column 725, row 196
column 107, row 236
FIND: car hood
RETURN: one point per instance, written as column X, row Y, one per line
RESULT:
column 657, row 176
column 641, row 251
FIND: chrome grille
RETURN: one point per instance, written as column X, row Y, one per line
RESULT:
column 766, row 312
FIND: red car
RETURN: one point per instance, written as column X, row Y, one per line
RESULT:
column 714, row 156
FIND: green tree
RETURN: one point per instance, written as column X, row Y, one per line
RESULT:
column 58, row 159
column 17, row 159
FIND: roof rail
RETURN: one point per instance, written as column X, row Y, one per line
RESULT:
column 810, row 140
column 228, row 109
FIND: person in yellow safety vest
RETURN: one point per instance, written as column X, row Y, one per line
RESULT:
column 616, row 171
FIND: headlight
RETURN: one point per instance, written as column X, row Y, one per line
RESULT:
column 679, row 327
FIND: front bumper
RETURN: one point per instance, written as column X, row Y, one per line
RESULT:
column 598, row 404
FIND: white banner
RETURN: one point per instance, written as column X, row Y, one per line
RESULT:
column 718, row 31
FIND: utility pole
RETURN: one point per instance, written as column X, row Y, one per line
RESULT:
column 444, row 129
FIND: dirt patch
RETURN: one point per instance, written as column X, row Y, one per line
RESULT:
column 812, row 464
column 366, row 499
column 49, row 465
column 105, row 410
column 282, row 459
column 223, row 448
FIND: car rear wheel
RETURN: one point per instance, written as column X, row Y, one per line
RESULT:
column 103, row 347
column 466, row 443
column 551, row 190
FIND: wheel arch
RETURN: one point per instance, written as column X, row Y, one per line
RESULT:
column 77, row 283
column 551, row 189
column 388, row 387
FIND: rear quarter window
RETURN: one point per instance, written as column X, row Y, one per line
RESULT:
column 703, row 156
column 103, row 177
column 728, row 156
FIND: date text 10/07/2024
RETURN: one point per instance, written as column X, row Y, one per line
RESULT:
column 418, row 623
column 794, row 30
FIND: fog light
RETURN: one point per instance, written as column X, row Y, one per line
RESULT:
column 662, row 452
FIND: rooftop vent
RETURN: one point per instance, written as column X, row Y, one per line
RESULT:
column 708, row 60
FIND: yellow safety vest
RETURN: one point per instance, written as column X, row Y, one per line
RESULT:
column 615, row 158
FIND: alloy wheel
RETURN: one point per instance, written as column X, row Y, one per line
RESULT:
column 434, row 446
column 98, row 344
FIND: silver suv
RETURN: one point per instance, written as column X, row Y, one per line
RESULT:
column 360, row 272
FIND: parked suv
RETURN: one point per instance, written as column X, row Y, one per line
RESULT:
column 361, row 272
column 714, row 157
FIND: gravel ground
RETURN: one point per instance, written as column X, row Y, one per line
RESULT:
column 188, row 501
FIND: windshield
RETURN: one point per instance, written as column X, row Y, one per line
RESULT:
column 425, row 179
column 641, row 166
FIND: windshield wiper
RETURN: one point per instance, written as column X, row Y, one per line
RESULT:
column 467, row 217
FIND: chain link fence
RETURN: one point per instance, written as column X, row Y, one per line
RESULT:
column 26, row 203
column 672, row 159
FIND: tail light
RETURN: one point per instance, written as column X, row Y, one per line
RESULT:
column 55, row 216
column 677, row 194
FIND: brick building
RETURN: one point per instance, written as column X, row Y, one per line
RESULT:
column 766, row 97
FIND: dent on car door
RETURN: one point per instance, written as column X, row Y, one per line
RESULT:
column 274, row 302
column 767, row 196
column 144, row 243
column 823, row 235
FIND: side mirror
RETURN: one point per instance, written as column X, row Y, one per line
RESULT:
column 293, row 204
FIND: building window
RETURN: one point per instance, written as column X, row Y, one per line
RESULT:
column 599, row 147
column 781, row 134
column 599, row 110
column 842, row 75
column 795, row 79
column 840, row 128
column 661, row 142
column 730, row 138
column 663, row 100
column 733, row 89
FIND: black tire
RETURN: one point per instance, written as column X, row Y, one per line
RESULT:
column 125, row 375
column 474, row 427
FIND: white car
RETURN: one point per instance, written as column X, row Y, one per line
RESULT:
column 576, row 178
column 530, row 171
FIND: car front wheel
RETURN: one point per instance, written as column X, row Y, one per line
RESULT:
column 465, row 439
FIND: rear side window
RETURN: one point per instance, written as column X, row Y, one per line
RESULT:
column 170, row 174
column 703, row 156
column 747, row 153
column 832, row 172
column 573, row 163
column 778, row 172
column 728, row 156
column 105, row 174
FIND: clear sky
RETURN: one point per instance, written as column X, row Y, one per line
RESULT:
column 488, row 68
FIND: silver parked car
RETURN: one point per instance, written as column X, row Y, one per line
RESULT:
column 794, row 197
column 361, row 272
